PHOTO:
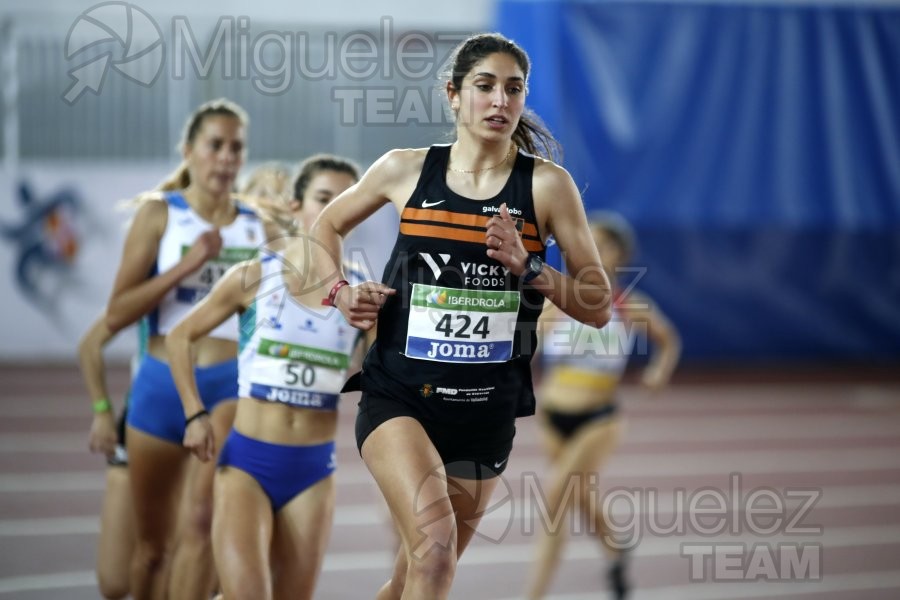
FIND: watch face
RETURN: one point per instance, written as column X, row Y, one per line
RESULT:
column 534, row 267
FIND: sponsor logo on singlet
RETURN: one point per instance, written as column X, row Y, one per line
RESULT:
column 495, row 209
column 433, row 264
column 481, row 275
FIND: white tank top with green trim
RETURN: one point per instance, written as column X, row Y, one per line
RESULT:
column 240, row 241
column 293, row 354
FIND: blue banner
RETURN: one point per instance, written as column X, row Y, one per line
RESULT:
column 756, row 150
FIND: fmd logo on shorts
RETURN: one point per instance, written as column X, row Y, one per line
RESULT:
column 117, row 35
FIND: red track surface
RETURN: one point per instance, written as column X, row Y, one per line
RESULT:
column 836, row 436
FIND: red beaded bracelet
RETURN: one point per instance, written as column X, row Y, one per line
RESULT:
column 329, row 301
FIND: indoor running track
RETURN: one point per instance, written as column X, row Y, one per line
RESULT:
column 836, row 441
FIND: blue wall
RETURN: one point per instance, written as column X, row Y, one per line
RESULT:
column 756, row 149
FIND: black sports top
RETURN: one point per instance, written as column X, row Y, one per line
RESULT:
column 456, row 340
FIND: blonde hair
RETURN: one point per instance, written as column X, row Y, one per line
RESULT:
column 180, row 178
column 274, row 210
column 275, row 172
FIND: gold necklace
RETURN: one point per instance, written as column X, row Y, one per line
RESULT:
column 504, row 161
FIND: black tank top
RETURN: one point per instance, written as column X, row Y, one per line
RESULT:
column 456, row 340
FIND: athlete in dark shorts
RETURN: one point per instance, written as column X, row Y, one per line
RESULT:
column 581, row 368
column 457, row 309
column 466, row 376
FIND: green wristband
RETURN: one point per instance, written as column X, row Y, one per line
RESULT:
column 101, row 406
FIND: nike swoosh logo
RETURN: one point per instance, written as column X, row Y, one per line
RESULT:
column 497, row 465
column 427, row 204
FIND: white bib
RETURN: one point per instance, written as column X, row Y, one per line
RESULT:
column 295, row 354
column 240, row 241
column 461, row 326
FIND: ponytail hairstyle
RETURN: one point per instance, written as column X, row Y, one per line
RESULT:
column 180, row 178
column 531, row 134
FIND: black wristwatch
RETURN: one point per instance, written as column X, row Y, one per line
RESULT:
column 533, row 267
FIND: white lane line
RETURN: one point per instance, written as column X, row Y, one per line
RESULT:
column 70, row 481
column 351, row 515
column 51, row 581
column 487, row 554
column 685, row 464
column 762, row 427
column 53, row 526
column 665, row 504
column 646, row 428
column 30, row 443
column 39, row 407
column 855, row 582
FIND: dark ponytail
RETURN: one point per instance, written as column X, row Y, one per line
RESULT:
column 531, row 134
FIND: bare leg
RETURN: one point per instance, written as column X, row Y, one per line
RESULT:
column 604, row 440
column 599, row 526
column 302, row 530
column 576, row 462
column 409, row 472
column 241, row 536
column 193, row 572
column 468, row 506
column 117, row 536
column 156, row 470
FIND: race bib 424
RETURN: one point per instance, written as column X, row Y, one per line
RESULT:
column 463, row 326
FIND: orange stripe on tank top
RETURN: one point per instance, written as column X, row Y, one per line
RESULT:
column 455, row 233
column 445, row 217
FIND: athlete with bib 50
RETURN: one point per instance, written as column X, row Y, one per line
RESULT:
column 456, row 312
column 274, row 493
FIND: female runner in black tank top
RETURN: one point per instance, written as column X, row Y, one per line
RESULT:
column 456, row 313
